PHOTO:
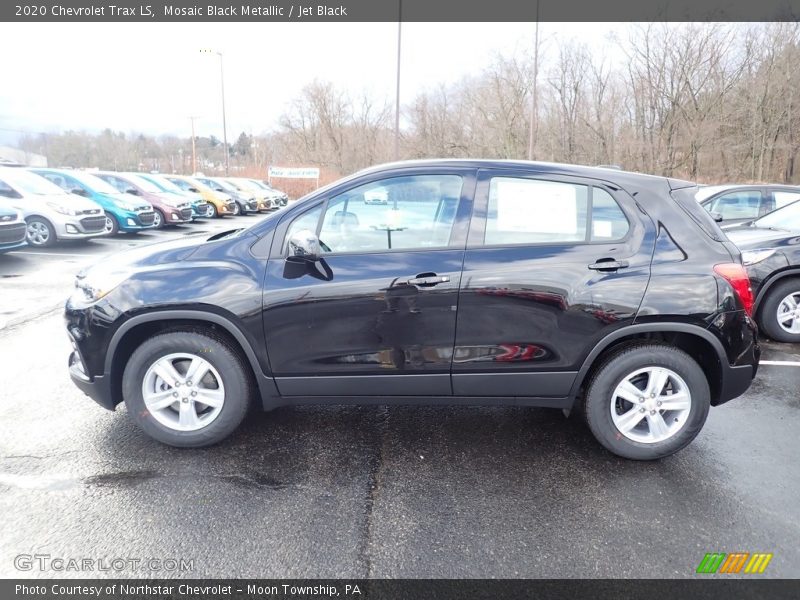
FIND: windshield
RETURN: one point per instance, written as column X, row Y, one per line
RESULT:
column 787, row 218
column 141, row 182
column 165, row 184
column 246, row 184
column 29, row 183
column 225, row 185
column 93, row 183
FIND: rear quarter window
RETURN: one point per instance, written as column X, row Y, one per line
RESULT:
column 685, row 198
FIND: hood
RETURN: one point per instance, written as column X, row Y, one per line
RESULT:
column 160, row 253
column 746, row 237
column 73, row 201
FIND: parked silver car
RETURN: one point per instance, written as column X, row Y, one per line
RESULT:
column 51, row 214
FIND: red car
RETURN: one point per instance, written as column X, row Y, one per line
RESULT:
column 168, row 210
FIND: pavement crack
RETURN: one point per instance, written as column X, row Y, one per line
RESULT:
column 374, row 486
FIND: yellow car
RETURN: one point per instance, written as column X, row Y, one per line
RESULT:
column 219, row 204
column 265, row 202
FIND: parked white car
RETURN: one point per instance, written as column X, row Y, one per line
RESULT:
column 51, row 214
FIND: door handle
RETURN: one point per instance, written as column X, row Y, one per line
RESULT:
column 426, row 280
column 608, row 264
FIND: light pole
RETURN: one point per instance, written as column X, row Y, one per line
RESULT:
column 194, row 149
column 222, row 88
column 397, row 90
column 531, row 134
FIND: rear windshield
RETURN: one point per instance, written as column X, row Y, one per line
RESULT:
column 685, row 198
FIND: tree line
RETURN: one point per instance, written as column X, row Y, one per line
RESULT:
column 712, row 102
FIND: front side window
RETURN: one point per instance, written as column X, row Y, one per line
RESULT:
column 401, row 213
column 738, row 205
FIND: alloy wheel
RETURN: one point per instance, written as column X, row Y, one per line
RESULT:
column 651, row 405
column 183, row 391
column 789, row 313
column 38, row 233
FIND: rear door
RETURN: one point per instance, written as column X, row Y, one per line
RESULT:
column 552, row 265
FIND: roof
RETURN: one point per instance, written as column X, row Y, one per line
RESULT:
column 607, row 173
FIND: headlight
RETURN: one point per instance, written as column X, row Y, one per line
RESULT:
column 751, row 257
column 94, row 283
column 64, row 210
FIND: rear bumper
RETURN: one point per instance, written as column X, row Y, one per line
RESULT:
column 735, row 382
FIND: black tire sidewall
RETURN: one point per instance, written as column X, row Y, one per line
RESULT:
column 597, row 407
column 769, row 311
column 159, row 215
column 227, row 363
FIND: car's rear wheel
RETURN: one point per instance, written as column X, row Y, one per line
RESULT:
column 40, row 232
column 112, row 227
column 186, row 388
column 647, row 401
column 780, row 312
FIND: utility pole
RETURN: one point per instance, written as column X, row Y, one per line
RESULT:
column 397, row 89
column 531, row 132
column 194, row 149
column 222, row 88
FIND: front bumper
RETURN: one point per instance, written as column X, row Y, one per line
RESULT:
column 136, row 221
column 97, row 388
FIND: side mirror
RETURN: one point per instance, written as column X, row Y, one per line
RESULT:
column 78, row 191
column 133, row 191
column 304, row 244
column 716, row 216
column 194, row 189
column 10, row 194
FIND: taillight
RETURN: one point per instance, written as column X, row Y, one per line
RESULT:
column 736, row 275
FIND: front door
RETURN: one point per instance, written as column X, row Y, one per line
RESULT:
column 552, row 265
column 376, row 314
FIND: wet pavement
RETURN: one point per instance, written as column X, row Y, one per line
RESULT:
column 385, row 492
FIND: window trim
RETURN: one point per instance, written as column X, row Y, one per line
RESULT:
column 458, row 232
column 477, row 233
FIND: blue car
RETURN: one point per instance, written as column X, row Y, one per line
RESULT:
column 124, row 212
column 199, row 206
column 13, row 229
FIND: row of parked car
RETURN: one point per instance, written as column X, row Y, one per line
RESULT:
column 40, row 206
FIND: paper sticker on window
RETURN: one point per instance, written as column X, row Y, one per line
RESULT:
column 536, row 206
column 601, row 229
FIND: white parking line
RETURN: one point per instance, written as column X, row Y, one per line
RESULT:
column 781, row 363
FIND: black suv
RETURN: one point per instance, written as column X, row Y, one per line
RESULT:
column 771, row 251
column 481, row 282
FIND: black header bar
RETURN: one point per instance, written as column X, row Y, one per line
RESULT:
column 333, row 11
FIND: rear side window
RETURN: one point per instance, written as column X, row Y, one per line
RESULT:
column 534, row 211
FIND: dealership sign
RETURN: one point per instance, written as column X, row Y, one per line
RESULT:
column 294, row 172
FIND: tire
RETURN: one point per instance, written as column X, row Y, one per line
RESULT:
column 213, row 212
column 158, row 219
column 779, row 302
column 227, row 378
column 642, row 363
column 112, row 227
column 237, row 209
column 40, row 232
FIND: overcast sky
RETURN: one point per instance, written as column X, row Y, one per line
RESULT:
column 151, row 77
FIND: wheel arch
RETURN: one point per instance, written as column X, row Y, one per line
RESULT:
column 137, row 329
column 697, row 342
column 769, row 283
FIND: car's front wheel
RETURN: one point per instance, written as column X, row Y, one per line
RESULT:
column 40, row 232
column 647, row 401
column 211, row 211
column 112, row 227
column 187, row 388
column 780, row 313
column 237, row 209
column 158, row 219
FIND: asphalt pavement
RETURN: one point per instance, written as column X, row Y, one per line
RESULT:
column 357, row 492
